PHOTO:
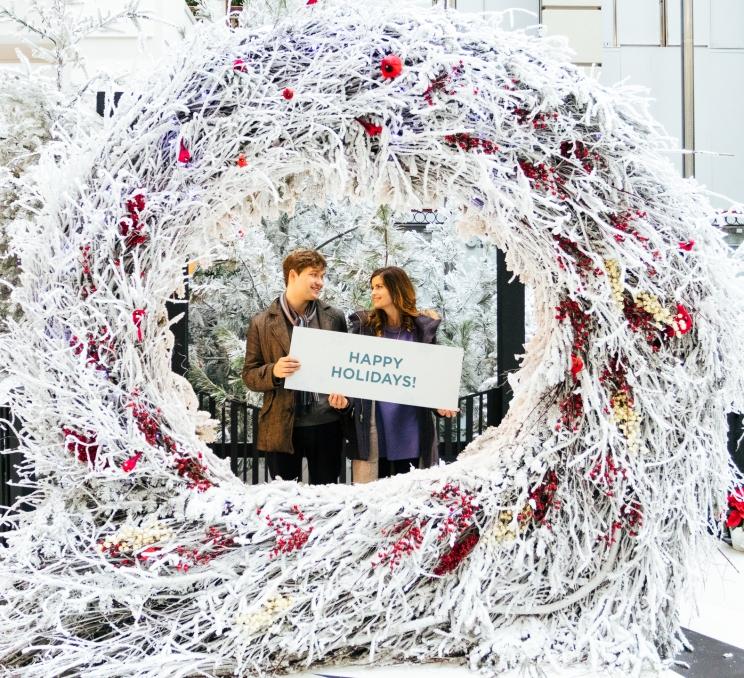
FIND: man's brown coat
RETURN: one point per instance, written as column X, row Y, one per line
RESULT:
column 267, row 340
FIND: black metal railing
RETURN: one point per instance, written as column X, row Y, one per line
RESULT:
column 237, row 436
column 477, row 412
column 9, row 492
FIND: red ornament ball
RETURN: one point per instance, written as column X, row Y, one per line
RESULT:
column 391, row 66
column 288, row 93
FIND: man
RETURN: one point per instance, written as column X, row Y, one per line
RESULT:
column 295, row 424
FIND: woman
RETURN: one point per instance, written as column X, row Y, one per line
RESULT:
column 392, row 437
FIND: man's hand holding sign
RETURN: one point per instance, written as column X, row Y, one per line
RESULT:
column 285, row 367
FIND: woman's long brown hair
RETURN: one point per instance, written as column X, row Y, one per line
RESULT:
column 403, row 295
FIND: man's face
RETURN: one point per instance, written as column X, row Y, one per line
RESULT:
column 308, row 283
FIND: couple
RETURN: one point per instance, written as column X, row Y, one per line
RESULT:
column 386, row 438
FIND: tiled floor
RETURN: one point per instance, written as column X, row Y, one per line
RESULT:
column 716, row 625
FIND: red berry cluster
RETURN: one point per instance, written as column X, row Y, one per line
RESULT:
column 580, row 152
column 584, row 264
column 614, row 379
column 408, row 539
column 632, row 515
column 114, row 554
column 625, row 223
column 543, row 177
column 83, row 445
column 542, row 498
column 630, row 519
column 214, row 545
column 538, row 120
column 468, row 142
column 454, row 556
column 442, row 83
column 147, row 422
column 572, row 413
column 461, row 507
column 460, row 522
column 193, row 470
column 606, row 472
column 571, row 310
column 99, row 350
column 290, row 535
column 640, row 320
column 130, row 226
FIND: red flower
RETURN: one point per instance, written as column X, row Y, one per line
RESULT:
column 391, row 67
column 242, row 162
column 687, row 246
column 183, row 153
column 288, row 93
column 577, row 364
column 312, row 2
column 682, row 322
column 736, row 508
column 370, row 128
column 239, row 65
column 129, row 465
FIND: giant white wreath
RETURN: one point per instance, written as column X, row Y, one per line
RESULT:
column 567, row 533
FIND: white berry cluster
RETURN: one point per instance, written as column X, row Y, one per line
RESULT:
column 628, row 420
column 262, row 619
column 615, row 280
column 131, row 538
column 651, row 304
column 503, row 530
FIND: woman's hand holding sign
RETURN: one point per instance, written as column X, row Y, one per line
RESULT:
column 337, row 401
column 285, row 366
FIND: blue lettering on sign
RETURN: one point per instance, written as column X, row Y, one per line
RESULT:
column 382, row 375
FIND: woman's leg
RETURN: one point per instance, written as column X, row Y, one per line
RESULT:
column 367, row 471
column 363, row 471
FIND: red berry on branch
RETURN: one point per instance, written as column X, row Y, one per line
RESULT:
column 288, row 93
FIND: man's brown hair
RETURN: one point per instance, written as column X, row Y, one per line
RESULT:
column 299, row 260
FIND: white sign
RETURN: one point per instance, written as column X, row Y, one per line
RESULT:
column 374, row 368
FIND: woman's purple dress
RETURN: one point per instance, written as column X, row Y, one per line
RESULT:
column 397, row 425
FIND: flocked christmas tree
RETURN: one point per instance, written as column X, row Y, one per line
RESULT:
column 42, row 105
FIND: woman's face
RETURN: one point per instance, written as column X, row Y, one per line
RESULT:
column 381, row 298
